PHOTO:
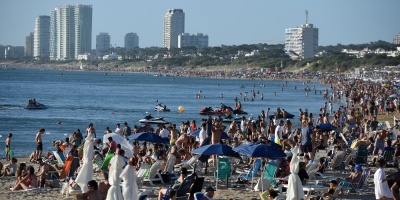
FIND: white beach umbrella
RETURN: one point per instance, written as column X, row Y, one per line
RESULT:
column 129, row 184
column 117, row 163
column 295, row 188
column 86, row 173
column 125, row 145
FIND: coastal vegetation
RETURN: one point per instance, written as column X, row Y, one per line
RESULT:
column 262, row 55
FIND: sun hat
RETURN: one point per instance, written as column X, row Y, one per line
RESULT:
column 358, row 167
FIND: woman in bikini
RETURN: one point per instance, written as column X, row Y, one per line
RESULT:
column 30, row 180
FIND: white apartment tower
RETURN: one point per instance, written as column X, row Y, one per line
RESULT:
column 131, row 41
column 174, row 24
column 102, row 43
column 28, row 49
column 70, row 31
column 41, row 37
column 197, row 40
column 396, row 39
column 301, row 42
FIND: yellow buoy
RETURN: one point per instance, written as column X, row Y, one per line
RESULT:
column 181, row 109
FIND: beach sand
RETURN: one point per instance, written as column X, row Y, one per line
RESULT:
column 222, row 192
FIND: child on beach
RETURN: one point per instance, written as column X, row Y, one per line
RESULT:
column 11, row 168
column 8, row 146
column 39, row 147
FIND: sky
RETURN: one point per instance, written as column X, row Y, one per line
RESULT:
column 226, row 22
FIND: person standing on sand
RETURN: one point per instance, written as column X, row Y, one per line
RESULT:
column 90, row 130
column 39, row 147
column 8, row 146
column 216, row 132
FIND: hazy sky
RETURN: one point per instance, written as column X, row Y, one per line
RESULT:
column 227, row 22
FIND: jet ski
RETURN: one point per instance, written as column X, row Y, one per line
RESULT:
column 288, row 115
column 210, row 111
column 152, row 120
column 239, row 112
column 161, row 108
column 34, row 105
column 230, row 119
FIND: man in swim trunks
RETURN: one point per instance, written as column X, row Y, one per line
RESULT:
column 216, row 132
column 8, row 146
column 39, row 147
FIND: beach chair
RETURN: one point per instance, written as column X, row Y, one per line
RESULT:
column 142, row 196
column 250, row 174
column 182, row 192
column 337, row 160
column 140, row 174
column 223, row 170
column 388, row 155
column 154, row 174
column 107, row 160
column 197, row 186
column 361, row 155
column 348, row 186
column 190, row 164
column 198, row 195
column 169, row 167
column 349, row 158
column 270, row 172
column 60, row 158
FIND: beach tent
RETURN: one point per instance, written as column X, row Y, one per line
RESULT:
column 326, row 127
column 125, row 145
column 114, row 192
column 260, row 150
column 148, row 137
column 129, row 184
column 86, row 173
column 295, row 188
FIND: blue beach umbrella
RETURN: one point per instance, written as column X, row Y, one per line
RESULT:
column 216, row 149
column 148, row 137
column 260, row 150
column 224, row 135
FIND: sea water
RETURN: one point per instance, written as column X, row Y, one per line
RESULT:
column 77, row 98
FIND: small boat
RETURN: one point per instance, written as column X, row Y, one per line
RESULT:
column 230, row 119
column 152, row 120
column 161, row 108
column 210, row 111
column 34, row 105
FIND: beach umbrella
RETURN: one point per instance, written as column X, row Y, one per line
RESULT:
column 129, row 184
column 216, row 149
column 148, row 137
column 125, row 145
column 224, row 135
column 86, row 173
column 326, row 127
column 114, row 192
column 295, row 187
column 260, row 151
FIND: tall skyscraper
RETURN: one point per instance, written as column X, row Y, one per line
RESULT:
column 131, row 41
column 301, row 42
column 28, row 49
column 41, row 38
column 70, row 31
column 102, row 43
column 197, row 40
column 174, row 24
column 396, row 39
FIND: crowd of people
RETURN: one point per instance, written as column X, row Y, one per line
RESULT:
column 354, row 124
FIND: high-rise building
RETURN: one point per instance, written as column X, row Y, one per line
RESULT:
column 301, row 42
column 197, row 40
column 174, row 24
column 396, row 39
column 41, row 38
column 28, row 49
column 131, row 41
column 102, row 43
column 70, row 31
